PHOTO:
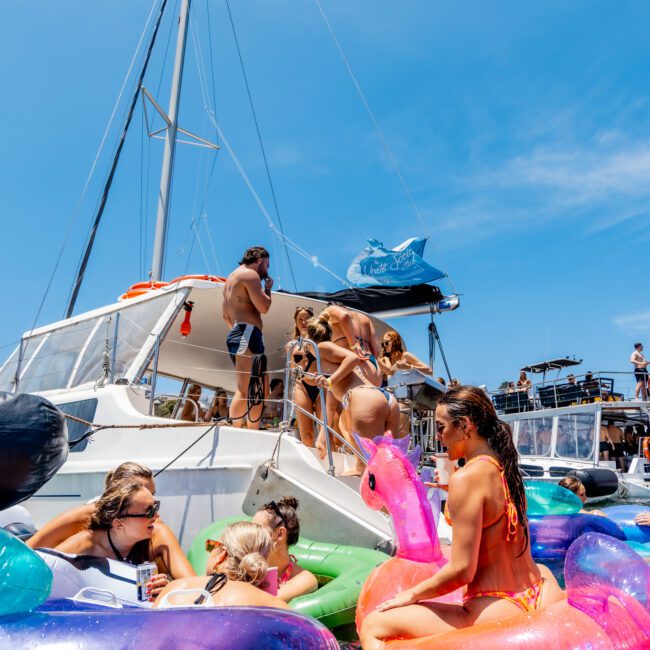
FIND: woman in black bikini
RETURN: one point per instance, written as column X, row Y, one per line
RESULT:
column 121, row 528
column 305, row 393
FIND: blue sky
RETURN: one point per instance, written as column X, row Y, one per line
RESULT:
column 521, row 131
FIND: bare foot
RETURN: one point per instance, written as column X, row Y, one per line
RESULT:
column 352, row 472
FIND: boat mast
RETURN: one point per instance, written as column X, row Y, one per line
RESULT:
column 170, row 147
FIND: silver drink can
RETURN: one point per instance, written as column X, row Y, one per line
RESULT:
column 144, row 573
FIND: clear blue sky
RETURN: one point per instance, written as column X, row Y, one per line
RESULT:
column 522, row 132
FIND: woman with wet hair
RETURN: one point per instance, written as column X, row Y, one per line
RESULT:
column 164, row 548
column 306, row 394
column 236, row 569
column 490, row 551
column 121, row 528
column 281, row 518
column 368, row 409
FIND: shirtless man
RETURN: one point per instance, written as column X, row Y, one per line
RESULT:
column 616, row 436
column 640, row 371
column 244, row 302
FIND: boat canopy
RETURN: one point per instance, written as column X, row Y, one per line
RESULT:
column 380, row 299
column 553, row 364
column 123, row 341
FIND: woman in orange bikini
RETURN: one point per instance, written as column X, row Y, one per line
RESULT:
column 490, row 551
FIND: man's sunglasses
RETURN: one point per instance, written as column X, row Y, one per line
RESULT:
column 149, row 513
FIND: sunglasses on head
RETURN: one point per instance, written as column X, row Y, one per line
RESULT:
column 309, row 310
column 273, row 506
column 149, row 513
column 211, row 544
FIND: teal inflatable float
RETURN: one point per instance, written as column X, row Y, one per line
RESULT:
column 340, row 570
column 25, row 580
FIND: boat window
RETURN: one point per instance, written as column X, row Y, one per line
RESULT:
column 575, row 436
column 84, row 409
column 48, row 366
column 8, row 371
column 90, row 366
column 134, row 327
column 534, row 436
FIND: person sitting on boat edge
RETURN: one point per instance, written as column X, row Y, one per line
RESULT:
column 244, row 302
column 490, row 552
column 237, row 568
column 354, row 382
column 121, row 528
column 219, row 408
column 282, row 521
column 577, row 487
column 164, row 548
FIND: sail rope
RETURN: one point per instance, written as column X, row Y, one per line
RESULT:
column 289, row 242
column 111, row 175
column 75, row 213
column 383, row 140
column 259, row 138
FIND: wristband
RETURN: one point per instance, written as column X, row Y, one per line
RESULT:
column 329, row 384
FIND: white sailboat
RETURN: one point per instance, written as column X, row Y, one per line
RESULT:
column 105, row 367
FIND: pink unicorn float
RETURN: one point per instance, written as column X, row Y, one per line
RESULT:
column 391, row 482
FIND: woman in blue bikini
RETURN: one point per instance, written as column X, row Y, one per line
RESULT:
column 368, row 409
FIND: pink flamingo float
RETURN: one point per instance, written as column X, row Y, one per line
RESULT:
column 608, row 584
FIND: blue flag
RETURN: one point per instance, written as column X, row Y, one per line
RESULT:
column 392, row 267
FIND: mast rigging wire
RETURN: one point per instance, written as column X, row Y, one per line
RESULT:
column 75, row 214
column 259, row 138
column 296, row 247
column 382, row 139
column 111, row 175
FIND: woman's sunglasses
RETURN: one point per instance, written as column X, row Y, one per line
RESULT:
column 149, row 513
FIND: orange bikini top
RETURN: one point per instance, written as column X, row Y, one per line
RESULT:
column 510, row 509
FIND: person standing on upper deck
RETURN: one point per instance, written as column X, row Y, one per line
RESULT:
column 640, row 364
column 244, row 302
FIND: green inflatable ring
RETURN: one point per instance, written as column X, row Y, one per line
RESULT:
column 341, row 572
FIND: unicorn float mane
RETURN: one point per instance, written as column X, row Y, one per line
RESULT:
column 391, row 481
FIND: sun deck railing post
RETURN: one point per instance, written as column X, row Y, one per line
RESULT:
column 114, row 352
column 154, row 374
column 287, row 375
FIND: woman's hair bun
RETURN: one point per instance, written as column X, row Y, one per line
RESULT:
column 324, row 317
column 290, row 502
column 253, row 568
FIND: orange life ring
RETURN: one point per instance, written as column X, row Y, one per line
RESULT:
column 646, row 447
column 140, row 288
